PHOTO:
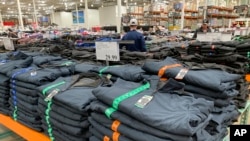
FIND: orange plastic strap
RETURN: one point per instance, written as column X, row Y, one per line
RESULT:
column 106, row 138
column 115, row 125
column 163, row 69
column 116, row 136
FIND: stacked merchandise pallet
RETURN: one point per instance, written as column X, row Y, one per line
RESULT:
column 223, row 55
column 81, row 99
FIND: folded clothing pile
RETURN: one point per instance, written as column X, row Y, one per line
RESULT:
column 23, row 83
column 64, row 106
column 4, row 94
column 194, row 48
column 216, row 50
column 212, row 84
column 230, row 61
column 8, row 62
column 126, row 72
column 127, row 111
column 244, row 50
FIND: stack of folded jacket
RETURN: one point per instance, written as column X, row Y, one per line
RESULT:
column 4, row 94
column 216, row 50
column 126, row 72
column 148, row 111
column 23, row 83
column 64, row 106
column 211, row 84
column 244, row 50
column 194, row 48
column 226, row 56
column 8, row 62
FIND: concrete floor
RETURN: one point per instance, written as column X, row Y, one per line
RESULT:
column 8, row 135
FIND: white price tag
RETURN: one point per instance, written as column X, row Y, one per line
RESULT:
column 181, row 74
column 8, row 44
column 226, row 37
column 107, row 51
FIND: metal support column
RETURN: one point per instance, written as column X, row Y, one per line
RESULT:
column 183, row 14
column 20, row 15
column 119, row 15
column 77, row 16
column 34, row 5
column 86, row 14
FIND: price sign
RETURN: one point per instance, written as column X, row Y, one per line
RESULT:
column 213, row 37
column 108, row 51
column 8, row 44
column 201, row 37
column 226, row 37
column 237, row 32
column 244, row 32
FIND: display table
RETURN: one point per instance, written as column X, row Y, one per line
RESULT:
column 21, row 130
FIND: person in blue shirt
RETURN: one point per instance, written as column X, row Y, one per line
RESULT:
column 137, row 37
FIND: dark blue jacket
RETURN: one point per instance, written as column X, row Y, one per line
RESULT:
column 139, row 44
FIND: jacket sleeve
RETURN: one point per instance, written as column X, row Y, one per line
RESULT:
column 143, row 45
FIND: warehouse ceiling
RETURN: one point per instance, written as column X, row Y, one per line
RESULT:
column 45, row 7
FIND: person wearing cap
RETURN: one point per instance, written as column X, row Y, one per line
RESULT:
column 133, row 34
column 204, row 28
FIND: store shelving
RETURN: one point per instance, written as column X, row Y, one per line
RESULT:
column 21, row 130
column 190, row 18
column 219, row 16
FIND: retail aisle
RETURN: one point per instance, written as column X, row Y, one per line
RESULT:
column 8, row 135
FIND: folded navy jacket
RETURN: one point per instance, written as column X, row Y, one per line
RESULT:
column 164, row 100
column 14, row 64
column 84, row 68
column 206, row 78
column 215, row 94
column 125, row 130
column 38, row 76
column 100, row 108
column 4, row 80
column 101, row 130
column 60, row 110
column 39, row 60
column 74, row 97
column 126, row 72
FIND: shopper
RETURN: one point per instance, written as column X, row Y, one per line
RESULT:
column 204, row 28
column 139, row 42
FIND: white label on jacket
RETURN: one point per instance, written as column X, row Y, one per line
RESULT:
column 181, row 74
column 142, row 102
column 51, row 95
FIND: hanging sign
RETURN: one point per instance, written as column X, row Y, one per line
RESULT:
column 226, row 37
column 8, row 44
column 201, row 37
column 108, row 51
column 237, row 32
column 214, row 37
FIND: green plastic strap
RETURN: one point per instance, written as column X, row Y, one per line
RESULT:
column 47, row 117
column 102, row 70
column 123, row 97
column 15, row 113
column 48, row 109
column 52, row 86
